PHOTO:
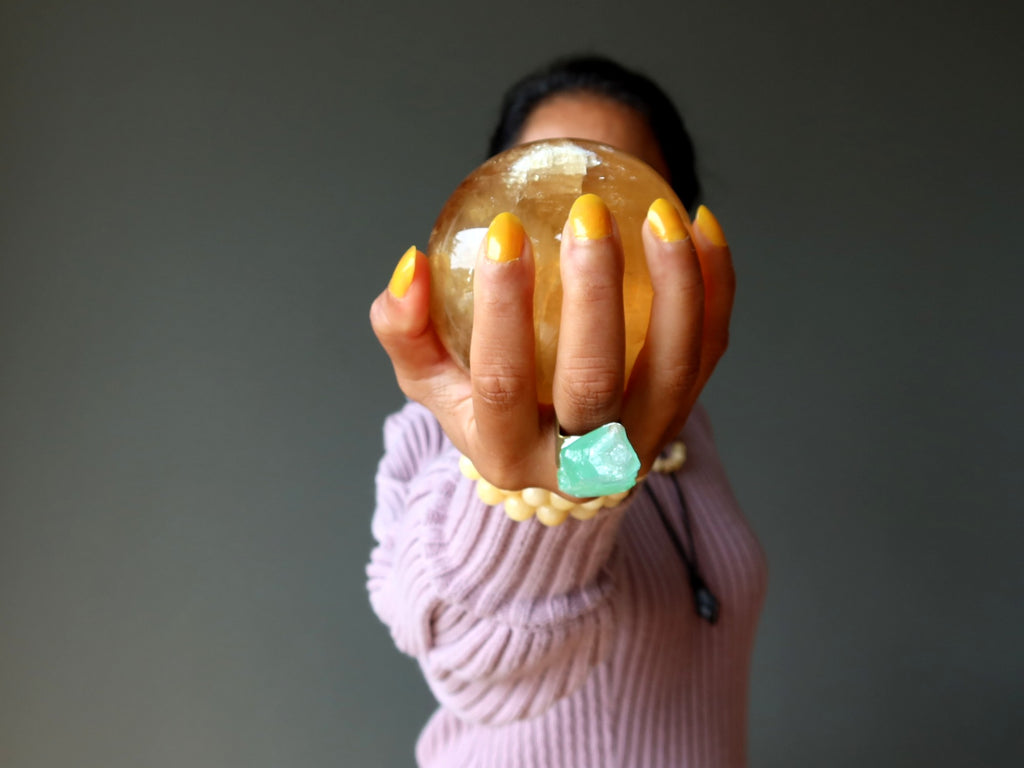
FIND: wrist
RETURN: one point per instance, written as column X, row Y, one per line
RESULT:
column 549, row 507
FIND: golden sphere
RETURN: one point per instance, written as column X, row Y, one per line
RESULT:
column 539, row 182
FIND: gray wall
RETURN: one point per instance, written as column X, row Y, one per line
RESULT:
column 198, row 202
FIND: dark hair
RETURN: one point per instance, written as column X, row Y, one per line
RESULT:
column 603, row 77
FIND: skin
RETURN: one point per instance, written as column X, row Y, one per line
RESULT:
column 491, row 414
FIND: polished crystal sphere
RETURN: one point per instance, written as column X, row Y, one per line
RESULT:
column 539, row 182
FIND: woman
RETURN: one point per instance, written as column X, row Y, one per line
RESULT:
column 622, row 640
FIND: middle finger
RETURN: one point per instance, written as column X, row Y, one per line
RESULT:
column 588, row 384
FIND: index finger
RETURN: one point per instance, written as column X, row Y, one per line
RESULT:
column 502, row 366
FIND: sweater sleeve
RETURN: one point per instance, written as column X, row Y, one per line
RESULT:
column 504, row 618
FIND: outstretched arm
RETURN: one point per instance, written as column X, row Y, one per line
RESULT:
column 506, row 618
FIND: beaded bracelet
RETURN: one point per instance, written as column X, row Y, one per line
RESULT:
column 551, row 508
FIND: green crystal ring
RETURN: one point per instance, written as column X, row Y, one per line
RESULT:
column 599, row 463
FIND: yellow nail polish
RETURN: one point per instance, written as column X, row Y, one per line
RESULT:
column 505, row 238
column 402, row 277
column 590, row 218
column 708, row 224
column 666, row 222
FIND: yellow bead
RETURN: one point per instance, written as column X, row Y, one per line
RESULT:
column 560, row 502
column 584, row 513
column 467, row 469
column 488, row 493
column 551, row 516
column 517, row 509
column 536, row 497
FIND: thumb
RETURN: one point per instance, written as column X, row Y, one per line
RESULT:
column 400, row 317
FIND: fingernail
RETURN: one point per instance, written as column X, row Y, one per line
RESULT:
column 708, row 224
column 666, row 222
column 590, row 218
column 505, row 238
column 402, row 277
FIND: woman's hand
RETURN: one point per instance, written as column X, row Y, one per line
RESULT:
column 491, row 413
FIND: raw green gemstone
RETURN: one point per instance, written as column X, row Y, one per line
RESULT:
column 597, row 463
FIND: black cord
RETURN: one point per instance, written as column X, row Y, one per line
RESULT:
column 706, row 603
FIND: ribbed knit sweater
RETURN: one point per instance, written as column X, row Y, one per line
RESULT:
column 573, row 646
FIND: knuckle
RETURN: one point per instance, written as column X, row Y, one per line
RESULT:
column 681, row 379
column 490, row 301
column 693, row 292
column 379, row 320
column 592, row 291
column 499, row 390
column 591, row 390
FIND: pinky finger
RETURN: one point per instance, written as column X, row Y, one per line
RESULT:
column 719, row 289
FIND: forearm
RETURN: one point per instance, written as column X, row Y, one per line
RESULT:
column 504, row 617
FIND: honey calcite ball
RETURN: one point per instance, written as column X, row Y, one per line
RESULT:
column 539, row 182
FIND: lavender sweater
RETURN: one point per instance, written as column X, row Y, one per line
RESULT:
column 569, row 646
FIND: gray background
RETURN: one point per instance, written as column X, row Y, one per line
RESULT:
column 198, row 201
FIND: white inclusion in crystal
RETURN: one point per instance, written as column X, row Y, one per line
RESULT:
column 465, row 247
column 568, row 158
